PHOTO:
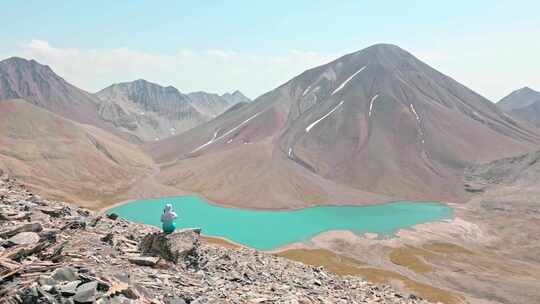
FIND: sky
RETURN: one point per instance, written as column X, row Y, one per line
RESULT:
column 493, row 47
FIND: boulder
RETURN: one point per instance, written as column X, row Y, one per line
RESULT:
column 64, row 274
column 86, row 293
column 24, row 238
column 69, row 288
column 172, row 247
column 30, row 227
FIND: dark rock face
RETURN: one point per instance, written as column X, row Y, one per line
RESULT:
column 172, row 247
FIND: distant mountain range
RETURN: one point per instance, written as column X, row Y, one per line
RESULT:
column 138, row 110
column 371, row 125
column 523, row 104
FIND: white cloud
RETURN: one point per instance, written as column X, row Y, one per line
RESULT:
column 212, row 70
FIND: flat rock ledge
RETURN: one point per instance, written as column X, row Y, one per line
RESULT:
column 53, row 252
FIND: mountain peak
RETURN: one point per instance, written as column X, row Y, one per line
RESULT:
column 526, row 89
column 20, row 62
column 236, row 97
column 384, row 47
column 518, row 99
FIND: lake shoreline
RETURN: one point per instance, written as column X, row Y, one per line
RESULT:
column 105, row 209
column 274, row 231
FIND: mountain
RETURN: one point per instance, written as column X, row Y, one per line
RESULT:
column 213, row 104
column 371, row 125
column 39, row 85
column 65, row 159
column 519, row 99
column 235, row 97
column 523, row 104
column 152, row 112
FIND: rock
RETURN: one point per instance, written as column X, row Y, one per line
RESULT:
column 46, row 280
column 120, row 299
column 48, row 288
column 75, row 224
column 68, row 288
column 175, row 300
column 143, row 261
column 205, row 300
column 86, row 293
column 24, row 238
column 112, row 216
column 54, row 212
column 130, row 293
column 48, row 235
column 108, row 238
column 64, row 274
column 172, row 247
column 29, row 295
column 95, row 221
column 30, row 227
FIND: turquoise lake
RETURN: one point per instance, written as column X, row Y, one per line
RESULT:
column 263, row 229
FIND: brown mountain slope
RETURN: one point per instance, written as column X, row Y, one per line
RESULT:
column 39, row 85
column 65, row 159
column 378, row 120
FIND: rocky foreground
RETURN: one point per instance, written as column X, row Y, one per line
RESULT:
column 52, row 252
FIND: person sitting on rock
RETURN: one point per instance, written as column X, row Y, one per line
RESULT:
column 167, row 218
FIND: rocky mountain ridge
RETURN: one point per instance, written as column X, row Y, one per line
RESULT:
column 148, row 110
column 523, row 104
column 52, row 252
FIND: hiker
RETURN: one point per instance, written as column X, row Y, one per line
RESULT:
column 167, row 218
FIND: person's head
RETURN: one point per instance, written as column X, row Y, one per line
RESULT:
column 168, row 207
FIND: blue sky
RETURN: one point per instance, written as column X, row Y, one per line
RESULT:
column 490, row 46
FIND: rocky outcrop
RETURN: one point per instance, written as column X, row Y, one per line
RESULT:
column 522, row 171
column 52, row 252
column 172, row 247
